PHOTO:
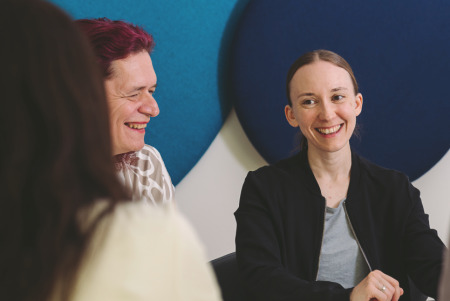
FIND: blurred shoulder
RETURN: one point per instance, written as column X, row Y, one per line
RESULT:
column 145, row 219
column 138, row 252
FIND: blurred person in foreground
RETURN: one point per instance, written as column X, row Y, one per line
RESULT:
column 122, row 50
column 444, row 287
column 67, row 231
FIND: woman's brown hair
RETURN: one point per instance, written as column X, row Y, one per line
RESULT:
column 55, row 158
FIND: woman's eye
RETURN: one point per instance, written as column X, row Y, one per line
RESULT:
column 338, row 97
column 309, row 102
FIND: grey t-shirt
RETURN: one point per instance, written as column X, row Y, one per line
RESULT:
column 341, row 259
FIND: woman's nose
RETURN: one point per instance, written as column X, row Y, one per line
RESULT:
column 326, row 111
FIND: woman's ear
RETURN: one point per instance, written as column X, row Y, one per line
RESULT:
column 358, row 104
column 290, row 116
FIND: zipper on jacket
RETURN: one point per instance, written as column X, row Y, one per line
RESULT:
column 323, row 234
column 356, row 238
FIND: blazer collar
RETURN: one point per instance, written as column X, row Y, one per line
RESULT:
column 299, row 167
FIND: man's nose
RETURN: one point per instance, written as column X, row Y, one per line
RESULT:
column 149, row 106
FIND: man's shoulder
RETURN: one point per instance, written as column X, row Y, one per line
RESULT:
column 150, row 154
column 149, row 150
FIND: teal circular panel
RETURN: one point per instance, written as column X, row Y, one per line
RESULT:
column 190, row 38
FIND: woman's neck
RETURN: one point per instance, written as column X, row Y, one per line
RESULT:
column 330, row 164
column 332, row 173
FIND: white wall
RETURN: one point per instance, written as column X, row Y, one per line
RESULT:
column 209, row 194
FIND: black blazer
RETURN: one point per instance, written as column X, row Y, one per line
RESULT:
column 280, row 223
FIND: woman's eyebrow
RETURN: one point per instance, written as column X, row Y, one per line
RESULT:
column 305, row 94
column 338, row 89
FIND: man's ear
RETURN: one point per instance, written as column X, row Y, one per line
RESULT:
column 290, row 117
column 358, row 103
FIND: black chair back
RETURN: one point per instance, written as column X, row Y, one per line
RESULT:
column 227, row 275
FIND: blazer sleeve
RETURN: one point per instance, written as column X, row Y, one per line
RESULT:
column 259, row 249
column 423, row 247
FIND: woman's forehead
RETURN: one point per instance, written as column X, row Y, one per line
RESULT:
column 321, row 75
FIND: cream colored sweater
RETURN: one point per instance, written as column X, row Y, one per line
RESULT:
column 146, row 253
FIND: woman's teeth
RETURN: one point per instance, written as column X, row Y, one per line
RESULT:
column 138, row 126
column 328, row 131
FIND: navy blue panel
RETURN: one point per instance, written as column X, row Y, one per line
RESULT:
column 399, row 51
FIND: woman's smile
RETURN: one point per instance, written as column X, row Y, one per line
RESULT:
column 329, row 130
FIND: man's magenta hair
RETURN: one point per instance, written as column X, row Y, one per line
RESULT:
column 114, row 40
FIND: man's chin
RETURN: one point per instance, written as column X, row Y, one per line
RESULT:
column 129, row 149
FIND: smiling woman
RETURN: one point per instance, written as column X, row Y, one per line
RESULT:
column 122, row 51
column 297, row 216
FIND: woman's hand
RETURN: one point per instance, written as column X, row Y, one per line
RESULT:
column 377, row 286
